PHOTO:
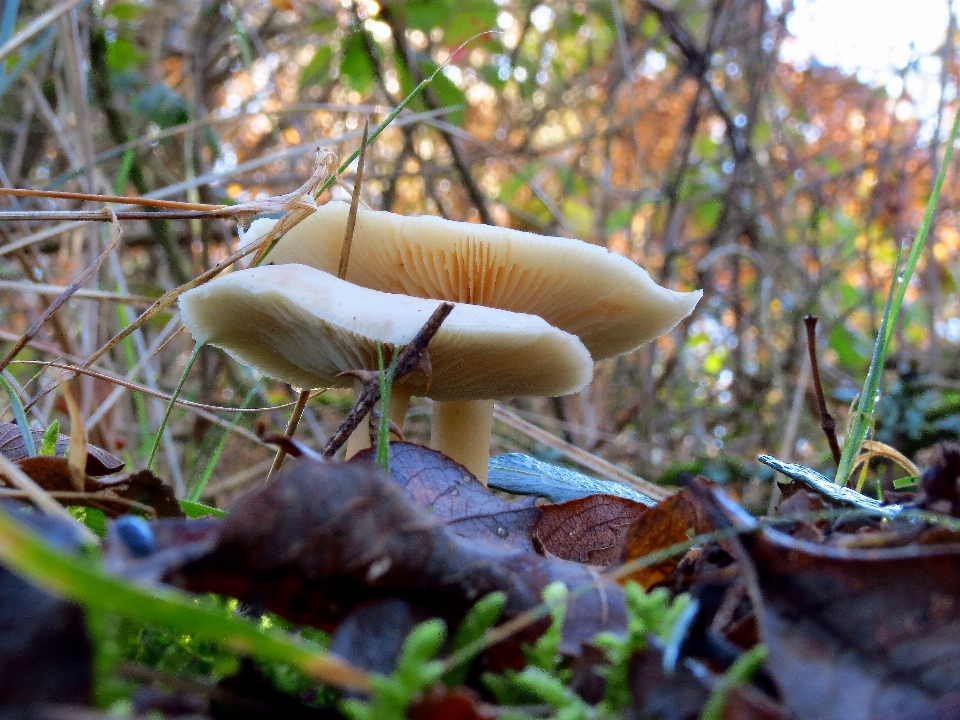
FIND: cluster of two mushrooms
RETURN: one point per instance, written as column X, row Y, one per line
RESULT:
column 533, row 313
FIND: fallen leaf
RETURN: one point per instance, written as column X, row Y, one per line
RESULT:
column 851, row 633
column 143, row 487
column 523, row 475
column 99, row 461
column 322, row 538
column 451, row 494
column 590, row 530
column 441, row 703
column 940, row 481
column 674, row 520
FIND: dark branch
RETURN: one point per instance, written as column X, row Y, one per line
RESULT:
column 411, row 358
column 827, row 422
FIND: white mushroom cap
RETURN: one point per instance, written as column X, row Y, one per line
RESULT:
column 608, row 301
column 305, row 326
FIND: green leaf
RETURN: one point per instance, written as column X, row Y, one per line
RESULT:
column 123, row 56
column 478, row 620
column 124, row 11
column 48, row 443
column 447, row 94
column 93, row 518
column 163, row 106
column 850, row 349
column 317, row 71
column 474, row 17
column 650, row 25
column 705, row 214
column 460, row 20
column 579, row 216
column 424, row 15
column 198, row 510
column 491, row 76
column 510, row 187
column 356, row 70
column 908, row 481
column 619, row 219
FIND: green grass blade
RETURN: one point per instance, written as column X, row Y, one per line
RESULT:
column 19, row 415
column 898, row 289
column 195, row 492
column 198, row 510
column 173, row 401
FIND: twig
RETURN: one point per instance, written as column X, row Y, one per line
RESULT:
column 827, row 422
column 36, row 26
column 156, row 393
column 45, row 289
column 226, row 211
column 295, row 416
column 101, row 497
column 410, row 359
column 120, row 199
column 64, row 296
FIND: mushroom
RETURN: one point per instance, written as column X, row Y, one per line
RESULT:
column 605, row 299
column 306, row 327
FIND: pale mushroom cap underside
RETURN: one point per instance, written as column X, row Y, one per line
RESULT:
column 608, row 301
column 305, row 326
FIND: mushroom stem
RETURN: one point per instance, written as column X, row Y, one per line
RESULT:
column 461, row 430
column 399, row 402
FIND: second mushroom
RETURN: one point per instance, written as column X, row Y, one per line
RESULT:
column 306, row 327
column 609, row 302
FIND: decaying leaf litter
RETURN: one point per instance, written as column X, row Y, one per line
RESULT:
column 597, row 606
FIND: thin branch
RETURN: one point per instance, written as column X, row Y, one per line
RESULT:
column 122, row 199
column 64, row 296
column 411, row 358
column 295, row 416
column 827, row 422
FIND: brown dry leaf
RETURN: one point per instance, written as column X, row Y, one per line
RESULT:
column 442, row 703
column 852, row 634
column 589, row 530
column 53, row 475
column 451, row 494
column 670, row 521
column 99, row 461
column 322, row 538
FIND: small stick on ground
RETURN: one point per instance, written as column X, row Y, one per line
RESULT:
column 411, row 358
column 827, row 422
